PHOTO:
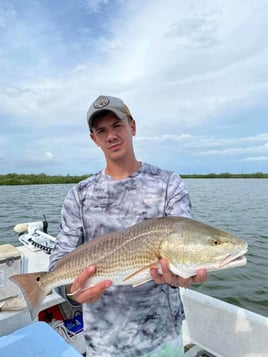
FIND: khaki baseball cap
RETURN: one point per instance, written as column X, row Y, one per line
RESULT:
column 105, row 102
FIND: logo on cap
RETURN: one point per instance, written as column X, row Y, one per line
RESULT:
column 101, row 102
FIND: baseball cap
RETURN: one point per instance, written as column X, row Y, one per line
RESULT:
column 105, row 102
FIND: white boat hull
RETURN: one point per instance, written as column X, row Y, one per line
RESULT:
column 220, row 328
column 223, row 329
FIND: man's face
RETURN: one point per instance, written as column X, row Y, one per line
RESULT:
column 113, row 136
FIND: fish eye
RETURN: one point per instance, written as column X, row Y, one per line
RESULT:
column 215, row 241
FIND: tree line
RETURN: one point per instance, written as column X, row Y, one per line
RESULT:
column 35, row 179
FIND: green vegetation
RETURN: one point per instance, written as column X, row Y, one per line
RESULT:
column 228, row 175
column 23, row 179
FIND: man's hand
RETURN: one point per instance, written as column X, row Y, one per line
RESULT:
column 79, row 294
column 167, row 277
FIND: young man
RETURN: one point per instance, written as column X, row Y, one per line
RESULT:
column 122, row 320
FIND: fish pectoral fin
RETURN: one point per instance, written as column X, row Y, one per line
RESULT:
column 146, row 267
column 74, row 293
column 141, row 282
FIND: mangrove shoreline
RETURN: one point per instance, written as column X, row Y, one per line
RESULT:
column 41, row 179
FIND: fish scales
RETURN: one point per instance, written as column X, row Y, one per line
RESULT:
column 114, row 253
column 126, row 257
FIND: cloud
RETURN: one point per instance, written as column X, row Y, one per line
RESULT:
column 227, row 147
column 95, row 5
column 258, row 158
column 45, row 157
column 189, row 73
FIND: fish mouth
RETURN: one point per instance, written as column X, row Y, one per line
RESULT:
column 236, row 259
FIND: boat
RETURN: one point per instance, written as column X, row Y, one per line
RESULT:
column 212, row 327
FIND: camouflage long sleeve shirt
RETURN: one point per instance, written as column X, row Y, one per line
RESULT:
column 125, row 321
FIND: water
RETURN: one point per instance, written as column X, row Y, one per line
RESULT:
column 239, row 206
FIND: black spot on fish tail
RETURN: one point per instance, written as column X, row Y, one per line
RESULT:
column 32, row 290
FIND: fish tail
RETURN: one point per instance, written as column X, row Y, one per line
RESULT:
column 33, row 292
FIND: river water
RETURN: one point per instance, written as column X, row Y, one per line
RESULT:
column 239, row 206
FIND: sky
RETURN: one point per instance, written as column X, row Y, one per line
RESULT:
column 193, row 73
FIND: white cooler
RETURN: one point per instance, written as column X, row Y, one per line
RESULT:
column 10, row 264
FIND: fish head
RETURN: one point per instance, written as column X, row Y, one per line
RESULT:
column 193, row 245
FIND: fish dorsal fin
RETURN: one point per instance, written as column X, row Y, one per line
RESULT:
column 146, row 267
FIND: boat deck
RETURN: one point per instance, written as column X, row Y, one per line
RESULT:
column 212, row 327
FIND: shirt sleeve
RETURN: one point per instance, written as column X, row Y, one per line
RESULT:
column 71, row 232
column 178, row 201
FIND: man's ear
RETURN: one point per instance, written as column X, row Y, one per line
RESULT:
column 133, row 127
column 93, row 138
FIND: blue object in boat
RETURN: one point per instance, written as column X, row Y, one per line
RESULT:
column 36, row 339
